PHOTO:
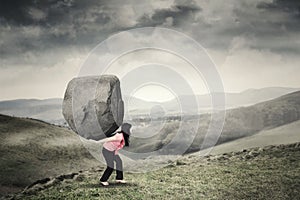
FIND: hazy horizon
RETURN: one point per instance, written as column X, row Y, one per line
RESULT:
column 145, row 99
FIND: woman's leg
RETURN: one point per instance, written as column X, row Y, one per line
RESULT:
column 119, row 167
column 109, row 158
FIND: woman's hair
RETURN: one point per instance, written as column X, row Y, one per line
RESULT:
column 125, row 129
column 126, row 138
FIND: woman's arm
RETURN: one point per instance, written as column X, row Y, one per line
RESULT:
column 109, row 139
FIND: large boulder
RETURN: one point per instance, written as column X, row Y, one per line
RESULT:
column 93, row 106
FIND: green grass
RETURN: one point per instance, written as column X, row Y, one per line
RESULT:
column 271, row 173
column 31, row 150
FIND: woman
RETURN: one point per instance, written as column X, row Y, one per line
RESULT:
column 110, row 150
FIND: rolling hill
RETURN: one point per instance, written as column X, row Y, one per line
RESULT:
column 246, row 121
column 239, row 122
column 286, row 134
column 32, row 149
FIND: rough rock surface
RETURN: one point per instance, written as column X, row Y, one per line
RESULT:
column 93, row 106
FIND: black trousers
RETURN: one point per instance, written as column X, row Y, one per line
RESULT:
column 110, row 158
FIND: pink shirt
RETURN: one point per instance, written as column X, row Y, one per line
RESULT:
column 116, row 144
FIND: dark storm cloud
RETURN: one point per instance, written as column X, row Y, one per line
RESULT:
column 286, row 27
column 56, row 11
column 177, row 13
column 268, row 26
column 289, row 8
column 292, row 7
column 29, row 28
column 49, row 14
column 32, row 27
column 42, row 37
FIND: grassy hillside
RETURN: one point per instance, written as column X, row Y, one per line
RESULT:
column 285, row 134
column 32, row 149
column 269, row 114
column 263, row 173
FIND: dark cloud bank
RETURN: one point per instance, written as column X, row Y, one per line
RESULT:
column 43, row 33
column 86, row 23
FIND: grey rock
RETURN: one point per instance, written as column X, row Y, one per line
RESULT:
column 93, row 106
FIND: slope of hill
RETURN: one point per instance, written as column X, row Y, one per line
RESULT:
column 271, row 173
column 285, row 134
column 32, row 149
column 268, row 114
column 254, row 96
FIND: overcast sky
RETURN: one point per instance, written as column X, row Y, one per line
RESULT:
column 253, row 43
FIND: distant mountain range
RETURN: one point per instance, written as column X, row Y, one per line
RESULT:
column 232, row 100
column 50, row 110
